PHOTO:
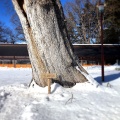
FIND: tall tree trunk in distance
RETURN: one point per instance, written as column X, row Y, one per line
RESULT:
column 49, row 48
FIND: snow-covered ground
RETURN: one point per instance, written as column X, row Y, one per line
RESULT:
column 82, row 102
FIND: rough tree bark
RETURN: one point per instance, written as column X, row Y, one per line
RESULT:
column 48, row 45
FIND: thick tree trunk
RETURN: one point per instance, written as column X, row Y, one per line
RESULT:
column 49, row 48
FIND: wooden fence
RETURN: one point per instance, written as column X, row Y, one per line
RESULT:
column 29, row 65
column 16, row 65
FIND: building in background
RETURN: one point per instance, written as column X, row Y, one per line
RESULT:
column 87, row 53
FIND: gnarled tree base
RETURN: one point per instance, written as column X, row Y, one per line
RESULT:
column 48, row 44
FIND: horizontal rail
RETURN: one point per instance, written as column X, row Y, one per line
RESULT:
column 16, row 65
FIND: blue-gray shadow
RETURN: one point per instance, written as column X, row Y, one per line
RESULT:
column 3, row 98
column 108, row 78
column 55, row 88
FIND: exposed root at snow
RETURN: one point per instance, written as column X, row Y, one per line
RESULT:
column 89, row 78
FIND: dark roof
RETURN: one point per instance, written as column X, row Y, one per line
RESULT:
column 82, row 51
column 13, row 50
column 94, row 51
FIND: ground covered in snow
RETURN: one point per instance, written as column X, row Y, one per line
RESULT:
column 82, row 102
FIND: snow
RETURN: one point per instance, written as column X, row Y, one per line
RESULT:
column 20, row 42
column 10, row 76
column 84, row 101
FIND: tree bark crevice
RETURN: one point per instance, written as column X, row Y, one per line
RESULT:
column 32, row 51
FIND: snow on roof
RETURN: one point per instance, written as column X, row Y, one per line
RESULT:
column 21, row 42
column 95, row 44
column 5, row 43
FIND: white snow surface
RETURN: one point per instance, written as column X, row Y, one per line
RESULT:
column 84, row 101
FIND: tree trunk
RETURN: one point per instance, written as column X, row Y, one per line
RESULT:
column 48, row 45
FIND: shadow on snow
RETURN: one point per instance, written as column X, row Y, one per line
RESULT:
column 108, row 78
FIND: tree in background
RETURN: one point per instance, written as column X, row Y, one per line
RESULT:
column 14, row 32
column 112, row 21
column 2, row 35
column 18, row 28
column 6, row 34
column 10, row 36
column 82, row 21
